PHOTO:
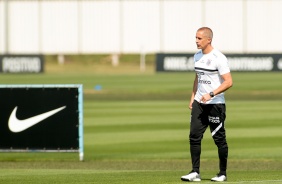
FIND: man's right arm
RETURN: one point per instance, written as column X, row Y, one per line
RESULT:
column 195, row 86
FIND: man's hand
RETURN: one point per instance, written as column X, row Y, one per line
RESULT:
column 205, row 98
column 190, row 105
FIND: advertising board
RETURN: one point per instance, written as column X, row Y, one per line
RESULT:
column 237, row 62
column 21, row 63
column 41, row 118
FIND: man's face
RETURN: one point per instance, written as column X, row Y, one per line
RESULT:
column 202, row 40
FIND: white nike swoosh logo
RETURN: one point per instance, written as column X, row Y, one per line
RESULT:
column 16, row 125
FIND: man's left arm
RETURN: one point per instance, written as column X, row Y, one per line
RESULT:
column 227, row 83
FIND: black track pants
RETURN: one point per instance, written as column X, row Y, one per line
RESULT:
column 202, row 116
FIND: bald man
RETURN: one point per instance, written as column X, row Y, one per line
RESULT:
column 207, row 103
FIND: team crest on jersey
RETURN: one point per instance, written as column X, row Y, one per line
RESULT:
column 208, row 62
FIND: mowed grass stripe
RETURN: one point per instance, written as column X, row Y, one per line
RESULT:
column 254, row 114
column 137, row 116
column 136, row 136
column 163, row 147
column 271, row 131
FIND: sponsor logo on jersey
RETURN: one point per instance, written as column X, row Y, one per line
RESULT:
column 200, row 81
column 199, row 74
column 204, row 82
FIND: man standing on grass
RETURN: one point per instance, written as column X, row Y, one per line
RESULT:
column 207, row 103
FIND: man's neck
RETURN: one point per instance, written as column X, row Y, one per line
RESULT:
column 207, row 50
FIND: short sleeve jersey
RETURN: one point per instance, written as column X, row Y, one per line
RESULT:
column 209, row 68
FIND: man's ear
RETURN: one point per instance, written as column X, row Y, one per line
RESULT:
column 210, row 40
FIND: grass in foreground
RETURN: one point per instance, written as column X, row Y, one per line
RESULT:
column 145, row 142
column 128, row 177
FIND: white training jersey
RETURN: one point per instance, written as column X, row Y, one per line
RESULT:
column 209, row 68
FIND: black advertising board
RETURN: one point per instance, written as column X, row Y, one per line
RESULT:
column 176, row 62
column 39, row 118
column 21, row 63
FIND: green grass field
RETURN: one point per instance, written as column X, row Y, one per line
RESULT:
column 136, row 129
